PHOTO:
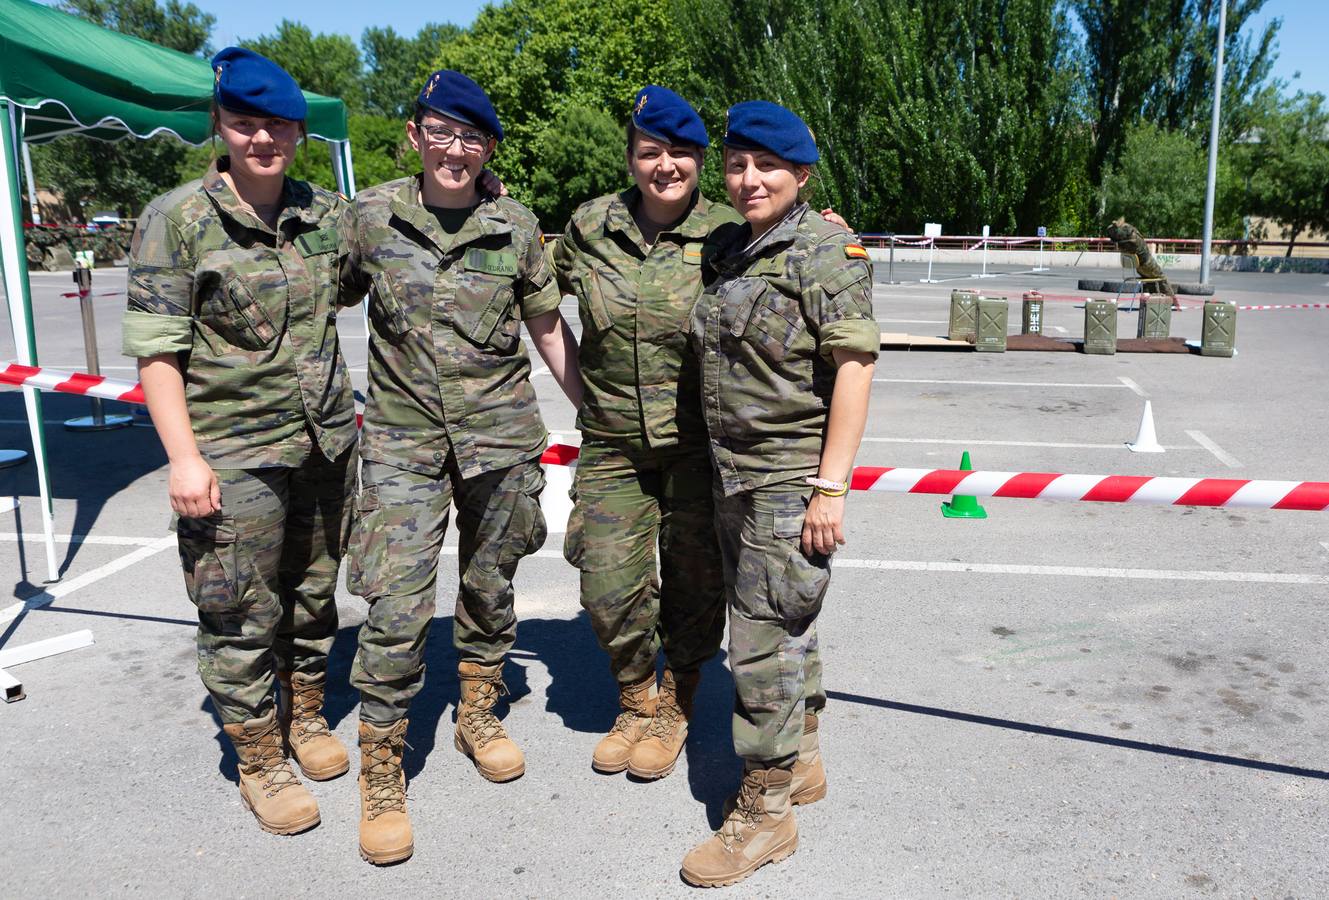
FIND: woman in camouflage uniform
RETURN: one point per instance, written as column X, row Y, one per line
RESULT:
column 633, row 259
column 787, row 343
column 232, row 302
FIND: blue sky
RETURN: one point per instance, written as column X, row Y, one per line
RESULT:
column 1301, row 40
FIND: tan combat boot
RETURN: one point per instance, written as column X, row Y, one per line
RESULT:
column 761, row 829
column 310, row 742
column 656, row 753
column 385, row 827
column 638, row 704
column 480, row 734
column 268, row 786
column 809, row 784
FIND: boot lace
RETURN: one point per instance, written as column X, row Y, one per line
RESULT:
column 269, row 757
column 665, row 721
column 383, row 788
column 306, row 703
column 747, row 814
column 478, row 710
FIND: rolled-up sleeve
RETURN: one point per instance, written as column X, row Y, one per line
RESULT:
column 838, row 299
column 539, row 288
column 159, row 317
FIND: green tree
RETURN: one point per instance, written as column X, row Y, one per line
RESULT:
column 124, row 175
column 395, row 66
column 381, row 154
column 1153, row 60
column 327, row 64
column 580, row 157
column 1289, row 166
column 1158, row 185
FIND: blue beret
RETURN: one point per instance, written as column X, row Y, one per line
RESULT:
column 760, row 125
column 454, row 95
column 661, row 113
column 246, row 82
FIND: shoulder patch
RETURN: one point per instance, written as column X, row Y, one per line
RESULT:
column 855, row 251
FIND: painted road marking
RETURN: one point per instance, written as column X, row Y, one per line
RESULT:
column 64, row 588
column 980, row 443
column 901, row 565
column 109, row 539
column 1219, row 453
column 1068, row 384
column 1133, row 386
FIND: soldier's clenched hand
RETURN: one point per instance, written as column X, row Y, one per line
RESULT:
column 823, row 525
column 194, row 490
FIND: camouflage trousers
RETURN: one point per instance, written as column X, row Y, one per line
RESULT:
column 626, row 502
column 263, row 573
column 774, row 593
column 400, row 520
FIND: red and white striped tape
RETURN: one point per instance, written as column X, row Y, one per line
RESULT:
column 1222, row 492
column 71, row 383
column 1189, row 307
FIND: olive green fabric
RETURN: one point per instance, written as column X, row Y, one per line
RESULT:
column 255, row 309
column 765, row 329
column 448, row 371
column 634, row 300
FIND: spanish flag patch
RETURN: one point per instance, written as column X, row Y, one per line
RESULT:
column 855, row 251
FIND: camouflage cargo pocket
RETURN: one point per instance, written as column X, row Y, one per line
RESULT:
column 574, row 540
column 386, row 309
column 483, row 312
column 215, row 575
column 367, row 550
column 242, row 320
column 795, row 583
column 526, row 529
column 776, row 323
column 591, row 306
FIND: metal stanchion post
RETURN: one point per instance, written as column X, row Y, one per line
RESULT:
column 98, row 421
column 890, row 274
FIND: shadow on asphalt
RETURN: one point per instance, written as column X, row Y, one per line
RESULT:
column 1085, row 736
column 87, row 467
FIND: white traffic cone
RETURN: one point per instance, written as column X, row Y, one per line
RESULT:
column 1146, row 441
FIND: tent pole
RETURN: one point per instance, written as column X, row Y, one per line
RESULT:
column 349, row 165
column 19, row 298
column 341, row 164
column 32, row 182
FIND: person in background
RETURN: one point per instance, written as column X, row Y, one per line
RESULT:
column 231, row 315
column 787, row 342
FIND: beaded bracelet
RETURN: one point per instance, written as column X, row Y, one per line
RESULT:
column 828, row 488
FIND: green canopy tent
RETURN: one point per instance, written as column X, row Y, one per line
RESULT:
column 61, row 75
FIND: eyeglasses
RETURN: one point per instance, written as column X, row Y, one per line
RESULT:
column 442, row 137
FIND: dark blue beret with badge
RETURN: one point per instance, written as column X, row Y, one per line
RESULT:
column 661, row 113
column 761, row 125
column 452, row 94
column 245, row 82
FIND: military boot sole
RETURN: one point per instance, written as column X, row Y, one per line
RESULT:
column 774, row 855
column 651, row 774
column 288, row 828
column 609, row 768
column 387, row 857
column 498, row 776
column 322, row 774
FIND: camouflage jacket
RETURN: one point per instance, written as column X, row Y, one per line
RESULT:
column 764, row 329
column 448, row 371
column 252, row 313
column 634, row 300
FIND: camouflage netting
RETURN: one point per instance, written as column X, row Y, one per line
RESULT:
column 1129, row 240
column 51, row 247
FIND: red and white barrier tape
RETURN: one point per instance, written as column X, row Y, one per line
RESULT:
column 71, row 383
column 1222, row 492
column 1192, row 306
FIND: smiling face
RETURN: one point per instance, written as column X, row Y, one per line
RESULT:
column 453, row 153
column 665, row 173
column 762, row 186
column 259, row 146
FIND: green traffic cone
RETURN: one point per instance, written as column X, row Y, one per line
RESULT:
column 961, row 506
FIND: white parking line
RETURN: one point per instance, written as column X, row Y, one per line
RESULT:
column 56, row 591
column 901, row 565
column 980, row 443
column 109, row 539
column 1139, row 391
column 1067, row 384
column 1219, row 453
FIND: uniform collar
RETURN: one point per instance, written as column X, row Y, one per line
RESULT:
column 618, row 217
column 487, row 219
column 742, row 250
column 298, row 200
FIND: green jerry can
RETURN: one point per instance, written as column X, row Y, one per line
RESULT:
column 1155, row 317
column 964, row 316
column 992, row 320
column 1100, row 326
column 1031, row 313
column 1219, row 337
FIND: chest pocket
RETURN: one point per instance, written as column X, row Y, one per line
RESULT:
column 247, row 308
column 386, row 308
column 765, row 318
column 591, row 304
column 482, row 310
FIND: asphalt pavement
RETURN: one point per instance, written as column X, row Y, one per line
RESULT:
column 1061, row 699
